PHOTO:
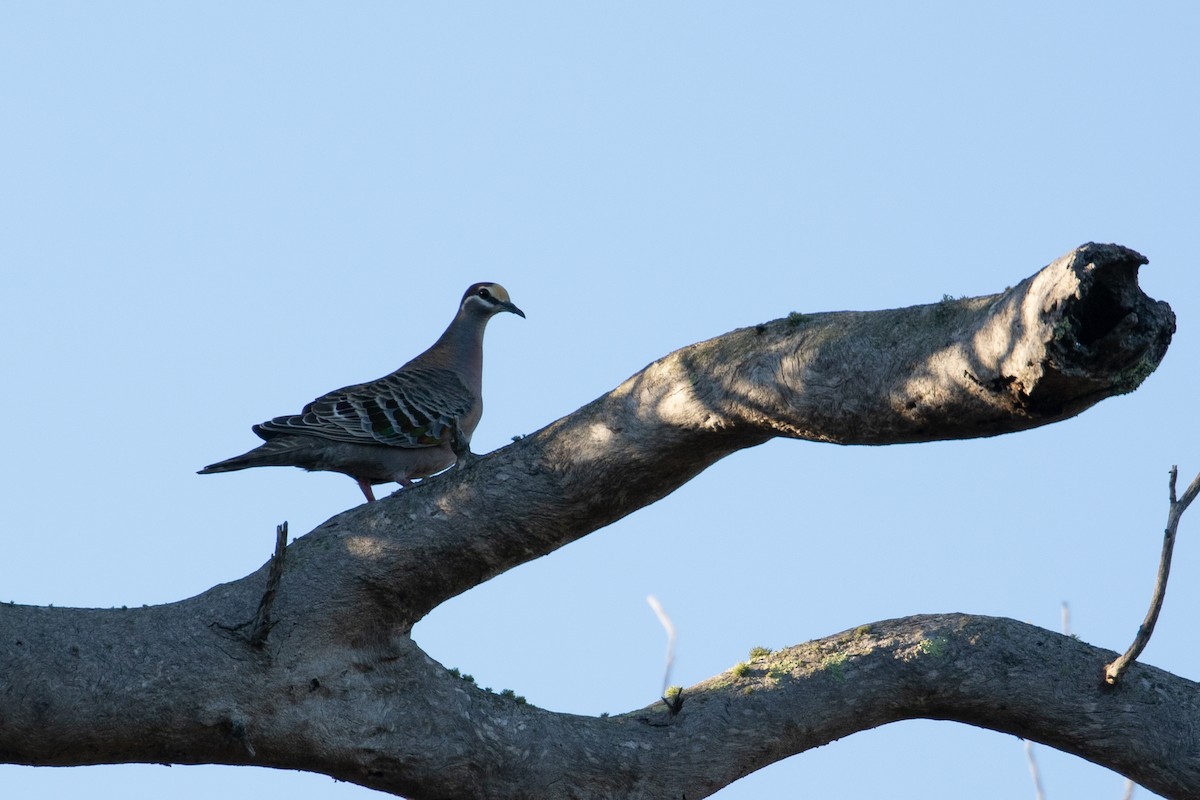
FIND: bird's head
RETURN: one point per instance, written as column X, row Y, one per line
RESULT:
column 488, row 299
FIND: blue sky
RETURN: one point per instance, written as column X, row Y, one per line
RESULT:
column 214, row 212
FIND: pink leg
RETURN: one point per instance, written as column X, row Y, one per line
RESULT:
column 366, row 490
column 404, row 482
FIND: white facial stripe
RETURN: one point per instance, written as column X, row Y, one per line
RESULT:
column 476, row 300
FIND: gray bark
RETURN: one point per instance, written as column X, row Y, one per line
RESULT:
column 339, row 687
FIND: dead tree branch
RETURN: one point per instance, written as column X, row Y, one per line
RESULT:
column 1114, row 670
column 255, row 630
column 348, row 693
column 262, row 623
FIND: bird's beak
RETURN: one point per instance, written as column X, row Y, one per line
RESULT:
column 511, row 307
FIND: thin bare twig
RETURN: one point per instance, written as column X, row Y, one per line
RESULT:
column 1033, row 771
column 669, row 627
column 262, row 623
column 672, row 695
column 1113, row 671
column 255, row 630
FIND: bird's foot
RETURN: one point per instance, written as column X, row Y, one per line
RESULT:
column 461, row 446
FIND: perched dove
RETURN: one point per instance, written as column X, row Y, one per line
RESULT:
column 410, row 424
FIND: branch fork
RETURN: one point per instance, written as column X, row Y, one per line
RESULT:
column 347, row 692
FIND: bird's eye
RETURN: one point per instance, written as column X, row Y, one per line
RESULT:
column 484, row 293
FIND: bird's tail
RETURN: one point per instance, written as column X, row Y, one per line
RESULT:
column 229, row 465
column 275, row 453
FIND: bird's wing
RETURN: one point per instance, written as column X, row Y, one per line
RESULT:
column 409, row 408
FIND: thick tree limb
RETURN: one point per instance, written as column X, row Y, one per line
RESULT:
column 1053, row 345
column 386, row 716
column 339, row 687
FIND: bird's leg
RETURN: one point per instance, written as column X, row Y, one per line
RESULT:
column 366, row 489
column 461, row 446
column 404, row 482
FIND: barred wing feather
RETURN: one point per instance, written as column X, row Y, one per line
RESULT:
column 409, row 408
